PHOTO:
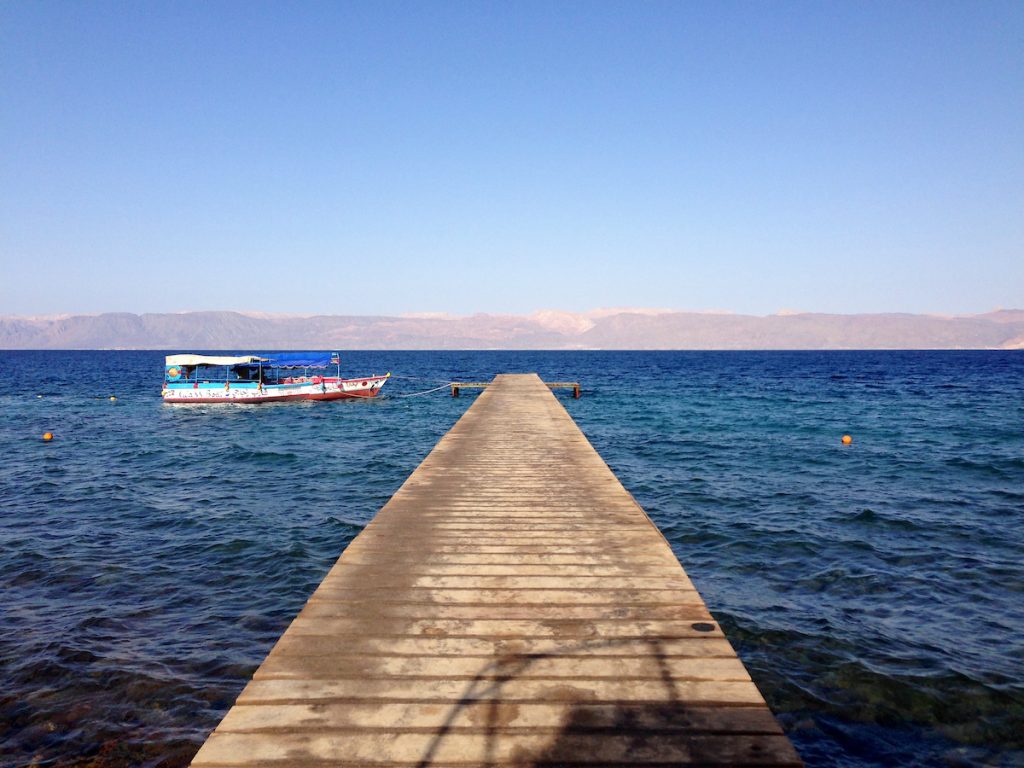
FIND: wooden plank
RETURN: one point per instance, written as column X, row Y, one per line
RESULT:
column 513, row 689
column 511, row 605
column 537, row 611
column 515, row 748
column 491, row 648
column 474, row 714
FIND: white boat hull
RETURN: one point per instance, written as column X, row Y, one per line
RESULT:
column 312, row 388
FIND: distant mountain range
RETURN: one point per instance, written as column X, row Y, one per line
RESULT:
column 600, row 329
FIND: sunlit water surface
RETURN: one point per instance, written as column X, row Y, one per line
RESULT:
column 151, row 555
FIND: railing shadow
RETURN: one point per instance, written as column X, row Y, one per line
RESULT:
column 634, row 719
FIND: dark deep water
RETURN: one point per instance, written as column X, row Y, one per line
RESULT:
column 151, row 555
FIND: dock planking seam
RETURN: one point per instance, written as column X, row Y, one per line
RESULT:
column 505, row 638
column 723, row 703
column 509, row 559
column 312, row 657
column 701, row 615
column 433, row 604
column 537, row 678
column 499, row 729
column 442, row 590
column 609, row 605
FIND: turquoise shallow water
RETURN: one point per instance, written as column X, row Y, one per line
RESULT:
column 151, row 555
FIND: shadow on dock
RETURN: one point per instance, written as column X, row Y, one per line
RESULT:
column 594, row 732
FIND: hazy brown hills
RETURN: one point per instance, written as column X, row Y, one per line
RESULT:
column 601, row 329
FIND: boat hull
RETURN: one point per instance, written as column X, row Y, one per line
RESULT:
column 315, row 388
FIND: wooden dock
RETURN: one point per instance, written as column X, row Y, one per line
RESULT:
column 458, row 386
column 511, row 605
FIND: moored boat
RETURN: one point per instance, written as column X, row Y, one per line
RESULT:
column 265, row 378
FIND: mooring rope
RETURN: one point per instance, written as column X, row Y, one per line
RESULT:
column 426, row 391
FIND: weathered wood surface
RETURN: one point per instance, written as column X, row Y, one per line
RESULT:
column 511, row 605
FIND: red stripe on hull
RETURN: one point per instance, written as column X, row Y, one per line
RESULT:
column 344, row 395
column 276, row 398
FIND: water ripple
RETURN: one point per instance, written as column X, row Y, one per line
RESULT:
column 150, row 556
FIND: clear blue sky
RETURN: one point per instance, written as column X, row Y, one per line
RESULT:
column 381, row 158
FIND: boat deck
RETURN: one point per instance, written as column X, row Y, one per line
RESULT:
column 511, row 605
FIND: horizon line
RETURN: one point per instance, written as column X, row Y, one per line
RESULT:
column 595, row 313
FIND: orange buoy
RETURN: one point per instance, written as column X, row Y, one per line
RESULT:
column 112, row 398
column 847, row 439
column 47, row 437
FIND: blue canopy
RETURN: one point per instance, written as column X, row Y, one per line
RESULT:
column 300, row 359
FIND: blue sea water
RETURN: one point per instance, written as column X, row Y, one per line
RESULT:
column 150, row 555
